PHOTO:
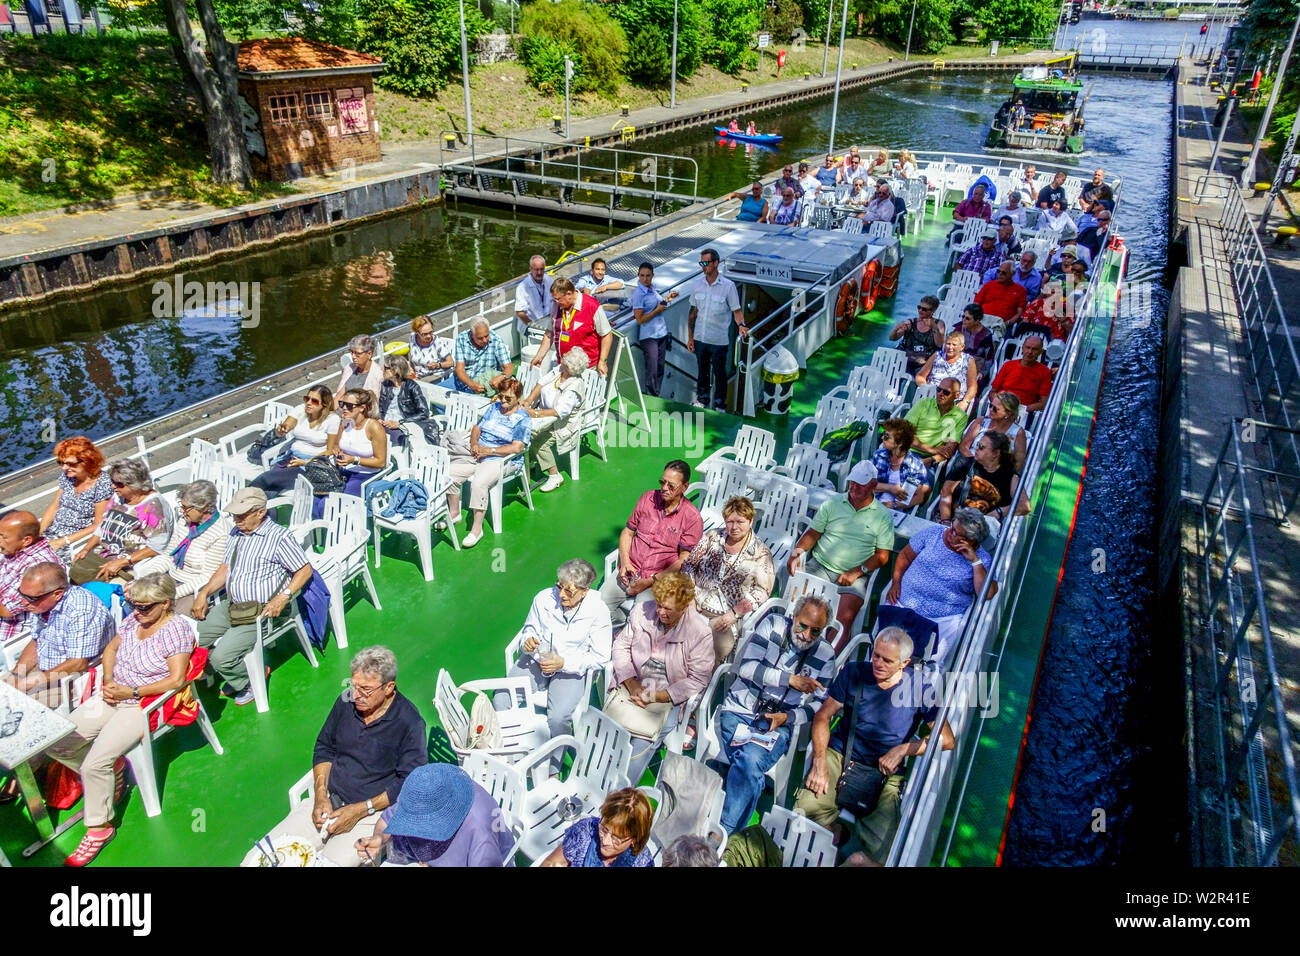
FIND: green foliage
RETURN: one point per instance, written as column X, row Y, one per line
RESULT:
column 782, row 19
column 1008, row 18
column 649, row 61
column 585, row 33
column 1268, row 24
column 932, row 30
column 418, row 40
column 656, row 16
column 729, row 39
column 814, row 18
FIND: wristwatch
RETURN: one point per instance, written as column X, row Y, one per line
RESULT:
column 135, row 693
column 370, row 808
column 286, row 591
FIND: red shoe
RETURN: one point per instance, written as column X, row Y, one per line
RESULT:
column 119, row 779
column 89, row 848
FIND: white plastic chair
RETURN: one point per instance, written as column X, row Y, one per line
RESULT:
column 781, row 517
column 522, row 728
column 269, row 630
column 595, row 401
column 851, row 225
column 832, row 413
column 343, row 555
column 140, row 757
column 515, row 469
column 809, row 465
column 233, row 446
column 970, row 234
column 752, row 447
column 802, row 842
column 892, row 365
column 460, row 413
column 880, row 231
column 725, row 480
column 429, row 466
column 299, row 501
column 540, row 697
column 204, row 457
column 228, row 479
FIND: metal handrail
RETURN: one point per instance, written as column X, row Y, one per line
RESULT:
column 1243, row 749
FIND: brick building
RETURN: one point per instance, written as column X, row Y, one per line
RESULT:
column 308, row 107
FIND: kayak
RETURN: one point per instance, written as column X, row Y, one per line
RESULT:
column 750, row 138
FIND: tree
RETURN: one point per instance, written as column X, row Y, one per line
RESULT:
column 657, row 16
column 418, row 40
column 732, row 25
column 1002, row 19
column 586, row 34
column 1268, row 24
column 781, row 18
column 932, row 29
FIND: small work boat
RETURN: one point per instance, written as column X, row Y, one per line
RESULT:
column 744, row 137
column 1043, row 113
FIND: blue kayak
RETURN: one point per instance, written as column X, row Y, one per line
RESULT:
column 750, row 138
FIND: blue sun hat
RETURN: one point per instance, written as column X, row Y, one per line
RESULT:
column 434, row 802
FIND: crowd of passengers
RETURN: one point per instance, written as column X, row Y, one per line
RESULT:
column 196, row 578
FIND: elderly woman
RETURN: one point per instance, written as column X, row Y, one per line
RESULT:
column 860, row 195
column 880, row 165
column 1056, row 218
column 988, row 480
column 400, row 399
column 662, row 658
column 617, row 837
column 939, row 573
column 1004, row 410
column 1050, row 310
column 198, row 543
column 952, row 362
column 308, row 429
column 733, row 574
column 479, row 455
column 1014, row 209
column 430, row 359
column 136, row 526
column 149, row 656
column 906, row 165
column 566, row 635
column 82, row 497
column 555, row 406
column 904, row 480
column 363, row 371
column 360, row 446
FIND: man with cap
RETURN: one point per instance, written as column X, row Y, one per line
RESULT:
column 443, row 818
column 263, row 566
column 851, row 536
column 982, row 256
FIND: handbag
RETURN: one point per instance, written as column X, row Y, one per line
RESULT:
column 323, row 474
column 268, row 440
column 85, row 570
column 643, row 722
column 484, row 731
column 859, row 787
column 244, row 612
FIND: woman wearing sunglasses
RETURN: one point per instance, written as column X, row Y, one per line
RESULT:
column 479, row 455
column 360, row 446
column 309, row 428
column 137, row 526
column 82, row 498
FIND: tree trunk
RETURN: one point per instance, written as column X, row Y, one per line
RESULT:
column 218, row 86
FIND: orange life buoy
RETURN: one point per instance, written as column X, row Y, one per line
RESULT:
column 870, row 284
column 846, row 309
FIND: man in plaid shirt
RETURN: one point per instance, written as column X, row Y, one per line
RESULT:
column 780, row 682
column 21, row 547
column 984, row 255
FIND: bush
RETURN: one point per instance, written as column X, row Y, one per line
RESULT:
column 651, row 61
column 656, row 17
column 932, row 30
column 586, row 34
column 732, row 25
column 418, row 40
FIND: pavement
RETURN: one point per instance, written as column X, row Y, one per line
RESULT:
column 58, row 229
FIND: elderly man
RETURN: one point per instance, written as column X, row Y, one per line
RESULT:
column 1027, row 378
column 891, row 699
column 1095, row 238
column 973, row 206
column 482, row 362
column 1002, row 296
column 780, row 682
column 715, row 304
column 371, row 741
column 1052, row 191
column 566, row 634
column 1008, row 244
column 660, row 533
column 533, row 301
column 21, row 547
column 1024, row 275
column 70, row 628
column 939, row 423
column 881, row 208
column 788, row 212
column 1090, row 190
column 788, row 181
column 597, row 283
column 1063, row 263
column 263, row 568
column 982, row 256
column 850, row 537
column 579, row 322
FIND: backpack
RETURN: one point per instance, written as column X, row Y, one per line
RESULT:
column 484, row 731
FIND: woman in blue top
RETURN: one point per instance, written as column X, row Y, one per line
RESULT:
column 480, row 454
column 753, row 207
column 828, row 174
column 617, row 837
column 648, row 307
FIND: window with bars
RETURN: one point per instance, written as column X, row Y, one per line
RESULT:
column 284, row 108
column 318, row 105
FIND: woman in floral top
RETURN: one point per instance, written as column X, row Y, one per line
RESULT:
column 1051, row 310
column 617, row 837
column 733, row 574
column 83, row 495
column 137, row 526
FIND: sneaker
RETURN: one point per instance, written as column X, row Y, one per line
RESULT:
column 228, row 691
column 89, row 848
column 552, row 482
column 245, row 696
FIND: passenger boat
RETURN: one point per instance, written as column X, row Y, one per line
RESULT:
column 455, row 627
column 764, row 138
column 1043, row 112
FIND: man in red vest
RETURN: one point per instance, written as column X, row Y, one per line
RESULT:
column 579, row 322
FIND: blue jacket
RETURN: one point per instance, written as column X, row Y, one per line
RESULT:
column 409, row 497
column 314, row 606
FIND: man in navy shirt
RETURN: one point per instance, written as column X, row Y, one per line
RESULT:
column 893, row 698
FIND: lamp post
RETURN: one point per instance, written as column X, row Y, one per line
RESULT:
column 568, row 75
column 464, row 73
column 1248, row 171
column 839, row 67
column 907, row 54
column 672, row 100
column 826, row 54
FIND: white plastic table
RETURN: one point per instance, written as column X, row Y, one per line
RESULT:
column 27, row 727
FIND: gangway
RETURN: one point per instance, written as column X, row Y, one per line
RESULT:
column 598, row 182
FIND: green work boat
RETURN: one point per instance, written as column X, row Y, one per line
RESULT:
column 1043, row 113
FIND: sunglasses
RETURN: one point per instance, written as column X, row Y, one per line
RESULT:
column 117, row 484
column 146, row 608
column 34, row 598
column 924, row 308
column 69, row 464
column 706, row 262
column 808, row 628
column 310, row 400
column 945, row 391
column 348, row 406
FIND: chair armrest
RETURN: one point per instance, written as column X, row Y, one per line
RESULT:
column 302, row 531
column 703, row 467
column 542, row 755
column 227, row 444
column 510, row 685
column 162, row 699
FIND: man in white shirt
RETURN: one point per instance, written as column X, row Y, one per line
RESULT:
column 533, row 295
column 715, row 304
column 810, row 183
column 566, row 634
column 596, row 283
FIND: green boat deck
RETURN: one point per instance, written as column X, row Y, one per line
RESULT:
column 214, row 807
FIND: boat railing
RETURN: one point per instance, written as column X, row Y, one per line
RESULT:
column 1255, row 796
column 970, row 691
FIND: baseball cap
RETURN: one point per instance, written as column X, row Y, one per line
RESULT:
column 863, row 473
column 245, row 500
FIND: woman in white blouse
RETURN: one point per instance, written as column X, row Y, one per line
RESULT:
column 554, row 405
column 198, row 543
column 308, row 428
column 431, row 360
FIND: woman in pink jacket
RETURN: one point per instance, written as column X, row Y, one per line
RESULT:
column 663, row 656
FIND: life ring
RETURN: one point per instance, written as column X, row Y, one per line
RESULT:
column 846, row 309
column 870, row 284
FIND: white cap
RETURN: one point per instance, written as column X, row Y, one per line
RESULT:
column 863, row 473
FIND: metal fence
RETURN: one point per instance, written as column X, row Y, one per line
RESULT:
column 1256, row 795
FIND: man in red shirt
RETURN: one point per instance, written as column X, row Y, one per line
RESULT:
column 579, row 322
column 973, row 206
column 1002, row 295
column 1028, row 379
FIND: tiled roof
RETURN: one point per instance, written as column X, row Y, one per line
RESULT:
column 286, row 54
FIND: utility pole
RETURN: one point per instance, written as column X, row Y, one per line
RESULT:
column 839, row 67
column 1248, row 172
column 672, row 102
column 826, row 54
column 568, row 75
column 464, row 73
column 907, row 55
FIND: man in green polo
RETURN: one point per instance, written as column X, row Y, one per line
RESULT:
column 850, row 537
column 939, row 423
